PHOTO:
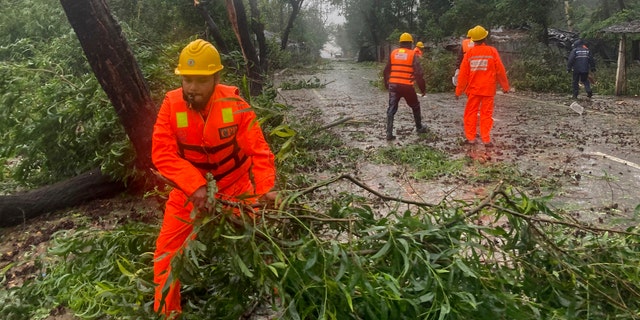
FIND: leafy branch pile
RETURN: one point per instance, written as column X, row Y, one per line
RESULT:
column 425, row 262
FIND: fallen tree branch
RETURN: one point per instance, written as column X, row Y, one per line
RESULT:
column 564, row 223
column 361, row 185
column 332, row 124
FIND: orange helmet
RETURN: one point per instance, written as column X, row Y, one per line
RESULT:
column 199, row 58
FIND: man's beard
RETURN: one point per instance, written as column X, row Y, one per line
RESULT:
column 192, row 104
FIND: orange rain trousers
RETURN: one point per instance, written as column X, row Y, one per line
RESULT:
column 176, row 228
column 484, row 106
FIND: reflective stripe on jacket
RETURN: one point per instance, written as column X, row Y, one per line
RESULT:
column 401, row 60
column 481, row 68
column 229, row 143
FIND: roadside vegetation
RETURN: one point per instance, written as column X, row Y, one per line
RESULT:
column 317, row 255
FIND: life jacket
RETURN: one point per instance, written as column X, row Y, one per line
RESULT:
column 401, row 60
column 466, row 45
column 210, row 144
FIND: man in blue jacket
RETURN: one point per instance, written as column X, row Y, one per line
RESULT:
column 581, row 61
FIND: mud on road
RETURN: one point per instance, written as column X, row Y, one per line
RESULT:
column 592, row 157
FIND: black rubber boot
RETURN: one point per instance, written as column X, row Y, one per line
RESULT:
column 390, row 135
column 418, row 119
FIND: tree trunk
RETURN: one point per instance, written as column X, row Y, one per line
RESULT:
column 117, row 70
column 621, row 72
column 296, row 5
column 567, row 15
column 18, row 208
column 258, row 29
column 120, row 77
column 238, row 18
column 213, row 27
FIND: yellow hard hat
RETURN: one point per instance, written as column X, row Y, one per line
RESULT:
column 406, row 37
column 420, row 44
column 478, row 33
column 198, row 58
column 469, row 33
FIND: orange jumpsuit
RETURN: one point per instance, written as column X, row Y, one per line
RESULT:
column 225, row 140
column 481, row 68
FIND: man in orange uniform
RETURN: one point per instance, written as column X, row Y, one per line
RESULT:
column 464, row 47
column 203, row 127
column 401, row 71
column 418, row 49
column 481, row 68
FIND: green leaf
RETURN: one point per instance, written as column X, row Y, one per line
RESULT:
column 311, row 261
column 383, row 251
column 273, row 270
column 243, row 266
column 234, row 237
column 428, row 297
column 283, row 131
column 124, row 270
column 465, row 269
column 445, row 309
column 347, row 296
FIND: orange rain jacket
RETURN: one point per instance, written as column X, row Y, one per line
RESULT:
column 466, row 45
column 417, row 51
column 480, row 68
column 228, row 143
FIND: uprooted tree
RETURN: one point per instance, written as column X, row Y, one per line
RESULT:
column 117, row 71
column 121, row 78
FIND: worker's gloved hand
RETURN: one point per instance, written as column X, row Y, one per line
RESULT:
column 199, row 198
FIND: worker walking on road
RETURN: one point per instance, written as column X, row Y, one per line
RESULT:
column 418, row 49
column 581, row 62
column 465, row 45
column 401, row 72
column 481, row 68
column 203, row 127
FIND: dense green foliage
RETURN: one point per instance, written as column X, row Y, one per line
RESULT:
column 438, row 66
column 49, row 88
column 349, row 262
column 317, row 256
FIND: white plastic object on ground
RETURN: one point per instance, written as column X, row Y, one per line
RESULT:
column 576, row 107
